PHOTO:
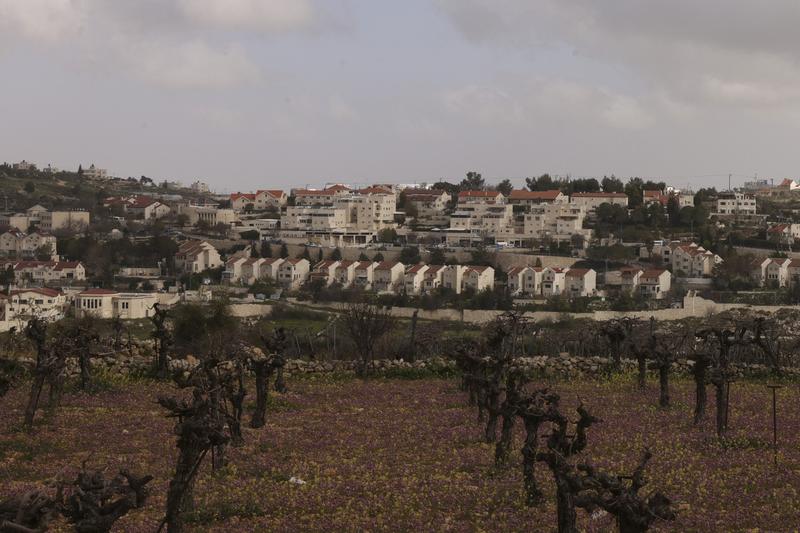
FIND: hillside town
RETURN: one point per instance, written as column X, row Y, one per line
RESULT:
column 115, row 246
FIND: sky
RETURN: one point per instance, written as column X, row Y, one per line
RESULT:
column 248, row 94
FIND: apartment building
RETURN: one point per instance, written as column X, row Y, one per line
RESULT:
column 483, row 212
column 18, row 245
column 63, row 220
column 94, row 173
column 663, row 198
column 736, row 204
column 320, row 196
column 199, row 186
column 558, row 221
column 590, row 201
column 429, row 205
column 197, row 256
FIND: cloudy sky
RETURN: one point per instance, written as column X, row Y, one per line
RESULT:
column 261, row 93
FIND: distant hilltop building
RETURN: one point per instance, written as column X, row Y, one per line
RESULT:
column 50, row 169
column 94, row 173
column 199, row 186
column 24, row 165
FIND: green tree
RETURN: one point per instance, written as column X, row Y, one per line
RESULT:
column 612, row 184
column 436, row 257
column 505, row 187
column 542, row 183
column 336, row 255
column 387, row 235
column 378, row 257
column 284, row 251
column 320, row 257
column 363, row 257
column 409, row 255
column 473, row 182
column 29, row 187
column 266, row 249
column 305, row 254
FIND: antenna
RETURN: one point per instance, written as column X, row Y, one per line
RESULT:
column 729, row 182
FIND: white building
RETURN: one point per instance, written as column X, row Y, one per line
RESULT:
column 19, row 305
column 655, row 283
column 527, row 198
column 414, row 278
column 45, row 271
column 197, row 256
column 554, row 281
column 580, row 282
column 292, row 273
column 387, row 276
column 104, row 303
column 95, row 173
column 429, row 205
column 736, row 204
column 478, row 278
column 19, row 245
column 693, row 261
column 525, row 281
column 590, row 201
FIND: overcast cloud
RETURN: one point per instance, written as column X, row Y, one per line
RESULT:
column 257, row 93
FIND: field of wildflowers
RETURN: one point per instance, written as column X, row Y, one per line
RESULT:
column 407, row 455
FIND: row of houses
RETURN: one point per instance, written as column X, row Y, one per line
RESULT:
column 686, row 259
column 17, row 244
column 536, row 282
column 43, row 272
column 138, row 206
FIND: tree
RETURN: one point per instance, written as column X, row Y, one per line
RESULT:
column 336, row 255
column 263, row 368
column 284, row 251
column 365, row 324
column 472, row 182
column 182, row 219
column 409, row 255
column 29, row 187
column 320, row 257
column 305, row 254
column 437, row 257
column 387, row 235
column 612, row 184
column 505, row 187
column 250, row 235
column 363, row 257
column 542, row 183
column 266, row 249
column 378, row 257
column 7, row 275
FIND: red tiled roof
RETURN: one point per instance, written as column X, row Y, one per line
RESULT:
column 422, row 193
column 363, row 264
column 386, row 265
column 778, row 228
column 599, row 195
column 522, row 194
column 413, row 269
column 97, row 292
column 248, row 196
column 38, row 290
column 653, row 273
column 307, row 192
column 275, row 193
column 478, row 194
column 63, row 265
column 577, row 272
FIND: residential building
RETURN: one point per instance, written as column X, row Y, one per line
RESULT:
column 95, row 173
column 478, row 278
column 736, row 204
column 554, row 281
column 233, row 267
column 325, row 272
column 24, row 165
column 691, row 260
column 259, row 200
column 45, row 271
column 19, row 245
column 15, row 221
column 429, row 206
column 345, row 273
column 364, row 274
column 527, row 198
column 292, row 273
column 314, row 218
column 580, row 282
column 319, row 196
column 197, row 256
column 777, row 273
column 387, row 276
column 22, row 304
column 453, row 278
column 558, row 221
column 270, row 268
column 146, row 208
column 64, row 220
column 199, row 186
column 590, row 201
column 484, row 212
column 525, row 281
column 414, row 278
column 630, row 278
column 663, row 198
column 433, row 278
column 786, row 234
column 655, row 283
